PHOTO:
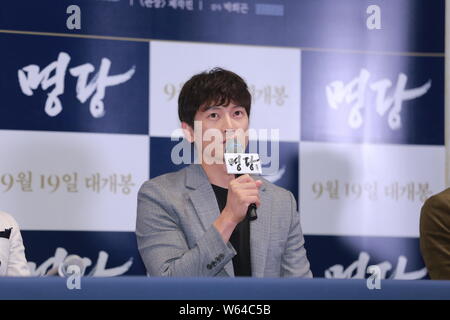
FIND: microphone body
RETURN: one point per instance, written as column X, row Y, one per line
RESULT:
column 235, row 151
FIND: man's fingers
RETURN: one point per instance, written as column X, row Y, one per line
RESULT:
column 247, row 185
column 248, row 199
column 254, row 200
column 250, row 193
column 244, row 178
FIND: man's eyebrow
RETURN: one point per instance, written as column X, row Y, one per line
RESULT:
column 217, row 107
column 204, row 109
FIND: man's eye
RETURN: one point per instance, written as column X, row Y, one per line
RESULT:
column 213, row 115
column 238, row 113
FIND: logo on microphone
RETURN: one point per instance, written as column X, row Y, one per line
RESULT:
column 238, row 162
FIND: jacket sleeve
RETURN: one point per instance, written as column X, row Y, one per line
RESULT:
column 435, row 236
column 294, row 262
column 162, row 243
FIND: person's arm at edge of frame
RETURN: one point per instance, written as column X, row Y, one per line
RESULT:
column 434, row 239
column 17, row 263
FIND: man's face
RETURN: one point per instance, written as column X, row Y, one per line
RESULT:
column 214, row 125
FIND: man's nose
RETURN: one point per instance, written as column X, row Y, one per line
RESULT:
column 227, row 122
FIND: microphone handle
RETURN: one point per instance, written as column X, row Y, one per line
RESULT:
column 251, row 211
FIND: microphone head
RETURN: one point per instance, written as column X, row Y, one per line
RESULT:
column 233, row 146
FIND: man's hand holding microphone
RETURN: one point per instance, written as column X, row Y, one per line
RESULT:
column 243, row 193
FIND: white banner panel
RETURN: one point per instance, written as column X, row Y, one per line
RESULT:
column 72, row 181
column 367, row 190
column 272, row 74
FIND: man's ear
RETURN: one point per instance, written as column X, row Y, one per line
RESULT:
column 188, row 132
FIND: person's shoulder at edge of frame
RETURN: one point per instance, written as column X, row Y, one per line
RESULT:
column 6, row 219
column 441, row 198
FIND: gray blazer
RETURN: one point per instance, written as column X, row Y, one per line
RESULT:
column 176, row 237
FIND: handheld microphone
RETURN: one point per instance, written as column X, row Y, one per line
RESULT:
column 239, row 163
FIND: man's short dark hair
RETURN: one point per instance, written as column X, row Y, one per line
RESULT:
column 216, row 87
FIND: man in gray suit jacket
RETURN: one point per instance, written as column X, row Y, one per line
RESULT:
column 193, row 222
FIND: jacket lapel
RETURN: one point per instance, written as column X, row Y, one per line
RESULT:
column 260, row 233
column 204, row 201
